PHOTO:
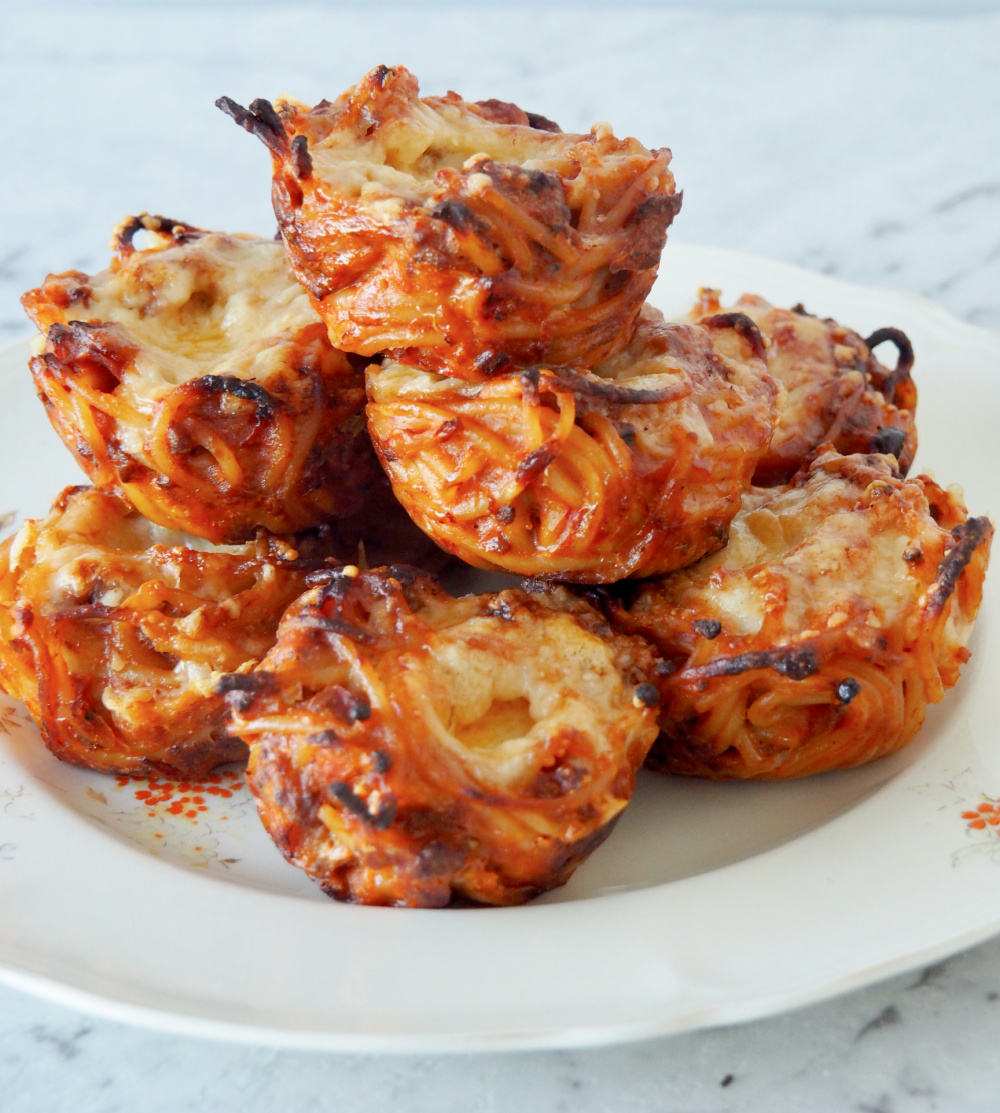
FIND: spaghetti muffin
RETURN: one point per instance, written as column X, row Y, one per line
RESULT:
column 839, row 610
column 629, row 470
column 114, row 632
column 194, row 378
column 463, row 237
column 836, row 391
column 409, row 748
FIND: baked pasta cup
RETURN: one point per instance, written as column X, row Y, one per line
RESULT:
column 114, row 633
column 409, row 748
column 463, row 237
column 836, row 391
column 629, row 470
column 194, row 378
column 817, row 638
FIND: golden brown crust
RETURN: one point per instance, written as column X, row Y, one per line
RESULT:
column 113, row 632
column 815, row 641
column 463, row 237
column 837, row 392
column 193, row 378
column 408, row 748
column 633, row 469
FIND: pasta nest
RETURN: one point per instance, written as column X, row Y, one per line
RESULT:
column 632, row 469
column 463, row 237
column 836, row 391
column 408, row 748
column 114, row 632
column 194, row 378
column 817, row 638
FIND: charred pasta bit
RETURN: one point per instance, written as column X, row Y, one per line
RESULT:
column 409, row 748
column 193, row 378
column 461, row 237
column 817, row 638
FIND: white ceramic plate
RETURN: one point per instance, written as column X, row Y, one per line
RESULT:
column 710, row 903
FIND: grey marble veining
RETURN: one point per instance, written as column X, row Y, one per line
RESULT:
column 866, row 147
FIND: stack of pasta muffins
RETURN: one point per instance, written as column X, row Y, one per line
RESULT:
column 729, row 573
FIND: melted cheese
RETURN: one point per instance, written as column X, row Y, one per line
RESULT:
column 563, row 676
column 403, row 155
column 221, row 305
column 820, row 550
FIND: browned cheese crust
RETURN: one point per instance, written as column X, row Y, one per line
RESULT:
column 408, row 748
column 463, row 237
column 629, row 470
column 194, row 378
column 816, row 639
column 836, row 391
column 114, row 633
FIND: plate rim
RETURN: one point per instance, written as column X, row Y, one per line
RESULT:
column 584, row 1035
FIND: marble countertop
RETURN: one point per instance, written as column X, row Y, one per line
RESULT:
column 862, row 146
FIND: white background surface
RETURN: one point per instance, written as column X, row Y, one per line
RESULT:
column 863, row 146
